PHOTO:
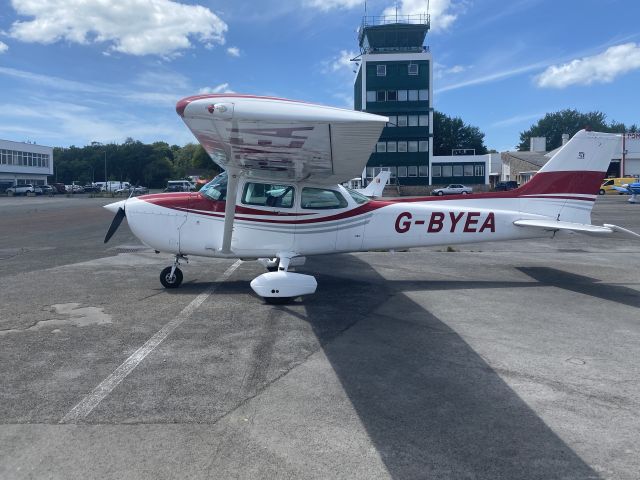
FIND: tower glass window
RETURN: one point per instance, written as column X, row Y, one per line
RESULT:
column 413, row 69
column 381, row 95
column 423, row 95
column 381, row 70
column 402, row 95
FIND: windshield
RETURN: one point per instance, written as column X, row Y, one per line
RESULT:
column 358, row 197
column 216, row 189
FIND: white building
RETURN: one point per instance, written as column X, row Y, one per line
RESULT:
column 631, row 164
column 22, row 163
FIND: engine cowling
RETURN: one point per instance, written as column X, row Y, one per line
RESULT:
column 284, row 284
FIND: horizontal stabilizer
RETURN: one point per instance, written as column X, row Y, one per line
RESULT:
column 553, row 225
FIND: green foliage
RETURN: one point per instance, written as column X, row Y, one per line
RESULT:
column 133, row 161
column 570, row 121
column 451, row 133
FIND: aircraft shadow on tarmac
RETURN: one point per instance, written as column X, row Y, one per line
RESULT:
column 431, row 405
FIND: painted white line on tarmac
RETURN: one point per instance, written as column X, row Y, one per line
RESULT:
column 91, row 401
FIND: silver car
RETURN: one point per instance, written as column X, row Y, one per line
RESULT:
column 453, row 189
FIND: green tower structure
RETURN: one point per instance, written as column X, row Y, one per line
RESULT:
column 394, row 79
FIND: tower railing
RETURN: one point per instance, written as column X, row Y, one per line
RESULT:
column 416, row 19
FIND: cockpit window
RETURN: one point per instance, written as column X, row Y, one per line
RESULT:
column 216, row 189
column 322, row 199
column 358, row 197
column 268, row 195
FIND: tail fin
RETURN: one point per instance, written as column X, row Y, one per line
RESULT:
column 566, row 187
column 375, row 188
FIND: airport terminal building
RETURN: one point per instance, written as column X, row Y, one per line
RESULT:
column 22, row 163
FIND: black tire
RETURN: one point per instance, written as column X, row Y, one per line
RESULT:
column 465, row 193
column 170, row 282
column 278, row 300
column 440, row 194
column 601, row 192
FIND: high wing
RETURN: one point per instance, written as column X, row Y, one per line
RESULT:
column 274, row 138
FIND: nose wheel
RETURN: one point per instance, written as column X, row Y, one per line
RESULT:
column 171, row 277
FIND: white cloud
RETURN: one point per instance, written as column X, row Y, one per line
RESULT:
column 443, row 12
column 233, row 51
column 135, row 27
column 3, row 47
column 341, row 63
column 601, row 68
column 516, row 119
column 222, row 88
column 326, row 5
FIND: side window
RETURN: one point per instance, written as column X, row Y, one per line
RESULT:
column 322, row 199
column 268, row 195
column 607, row 183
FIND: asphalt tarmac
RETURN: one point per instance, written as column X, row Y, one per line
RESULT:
column 494, row 361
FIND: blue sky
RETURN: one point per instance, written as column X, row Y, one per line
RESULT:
column 74, row 71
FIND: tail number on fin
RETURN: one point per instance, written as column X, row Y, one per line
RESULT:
column 452, row 222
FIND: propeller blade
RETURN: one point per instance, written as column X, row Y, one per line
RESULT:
column 115, row 223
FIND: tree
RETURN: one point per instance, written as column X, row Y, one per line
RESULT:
column 569, row 121
column 452, row 133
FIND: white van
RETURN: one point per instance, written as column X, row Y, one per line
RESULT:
column 113, row 186
column 180, row 186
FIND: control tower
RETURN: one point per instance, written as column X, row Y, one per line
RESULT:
column 394, row 79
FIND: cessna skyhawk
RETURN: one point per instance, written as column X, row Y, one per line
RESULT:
column 280, row 199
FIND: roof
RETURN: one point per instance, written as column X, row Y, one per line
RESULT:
column 536, row 159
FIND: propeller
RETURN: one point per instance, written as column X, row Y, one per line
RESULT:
column 115, row 223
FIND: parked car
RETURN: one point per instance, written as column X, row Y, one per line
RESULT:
column 74, row 189
column 139, row 190
column 90, row 188
column 20, row 189
column 180, row 186
column 59, row 187
column 37, row 189
column 504, row 186
column 453, row 189
column 48, row 190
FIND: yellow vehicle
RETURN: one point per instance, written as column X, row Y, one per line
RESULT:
column 609, row 183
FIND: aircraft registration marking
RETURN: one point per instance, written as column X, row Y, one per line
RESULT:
column 452, row 222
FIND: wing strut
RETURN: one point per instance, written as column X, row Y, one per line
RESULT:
column 230, row 209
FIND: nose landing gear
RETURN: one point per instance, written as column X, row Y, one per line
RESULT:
column 171, row 277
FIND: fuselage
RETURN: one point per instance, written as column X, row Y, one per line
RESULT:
column 318, row 219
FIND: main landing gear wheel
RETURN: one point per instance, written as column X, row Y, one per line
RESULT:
column 171, row 281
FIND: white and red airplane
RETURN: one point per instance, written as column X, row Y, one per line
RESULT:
column 279, row 199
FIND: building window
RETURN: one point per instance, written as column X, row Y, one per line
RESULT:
column 423, row 120
column 381, row 70
column 423, row 171
column 446, row 171
column 413, row 95
column 457, row 170
column 381, row 147
column 402, row 172
column 468, row 170
column 423, row 95
column 381, row 95
column 391, row 147
column 369, row 172
column 371, row 96
column 412, row 171
column 413, row 69
column 436, row 171
column 392, row 95
column 393, row 121
column 423, row 146
column 413, row 146
column 402, row 146
column 479, row 170
column 393, row 171
column 402, row 120
column 413, row 120
column 402, row 95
